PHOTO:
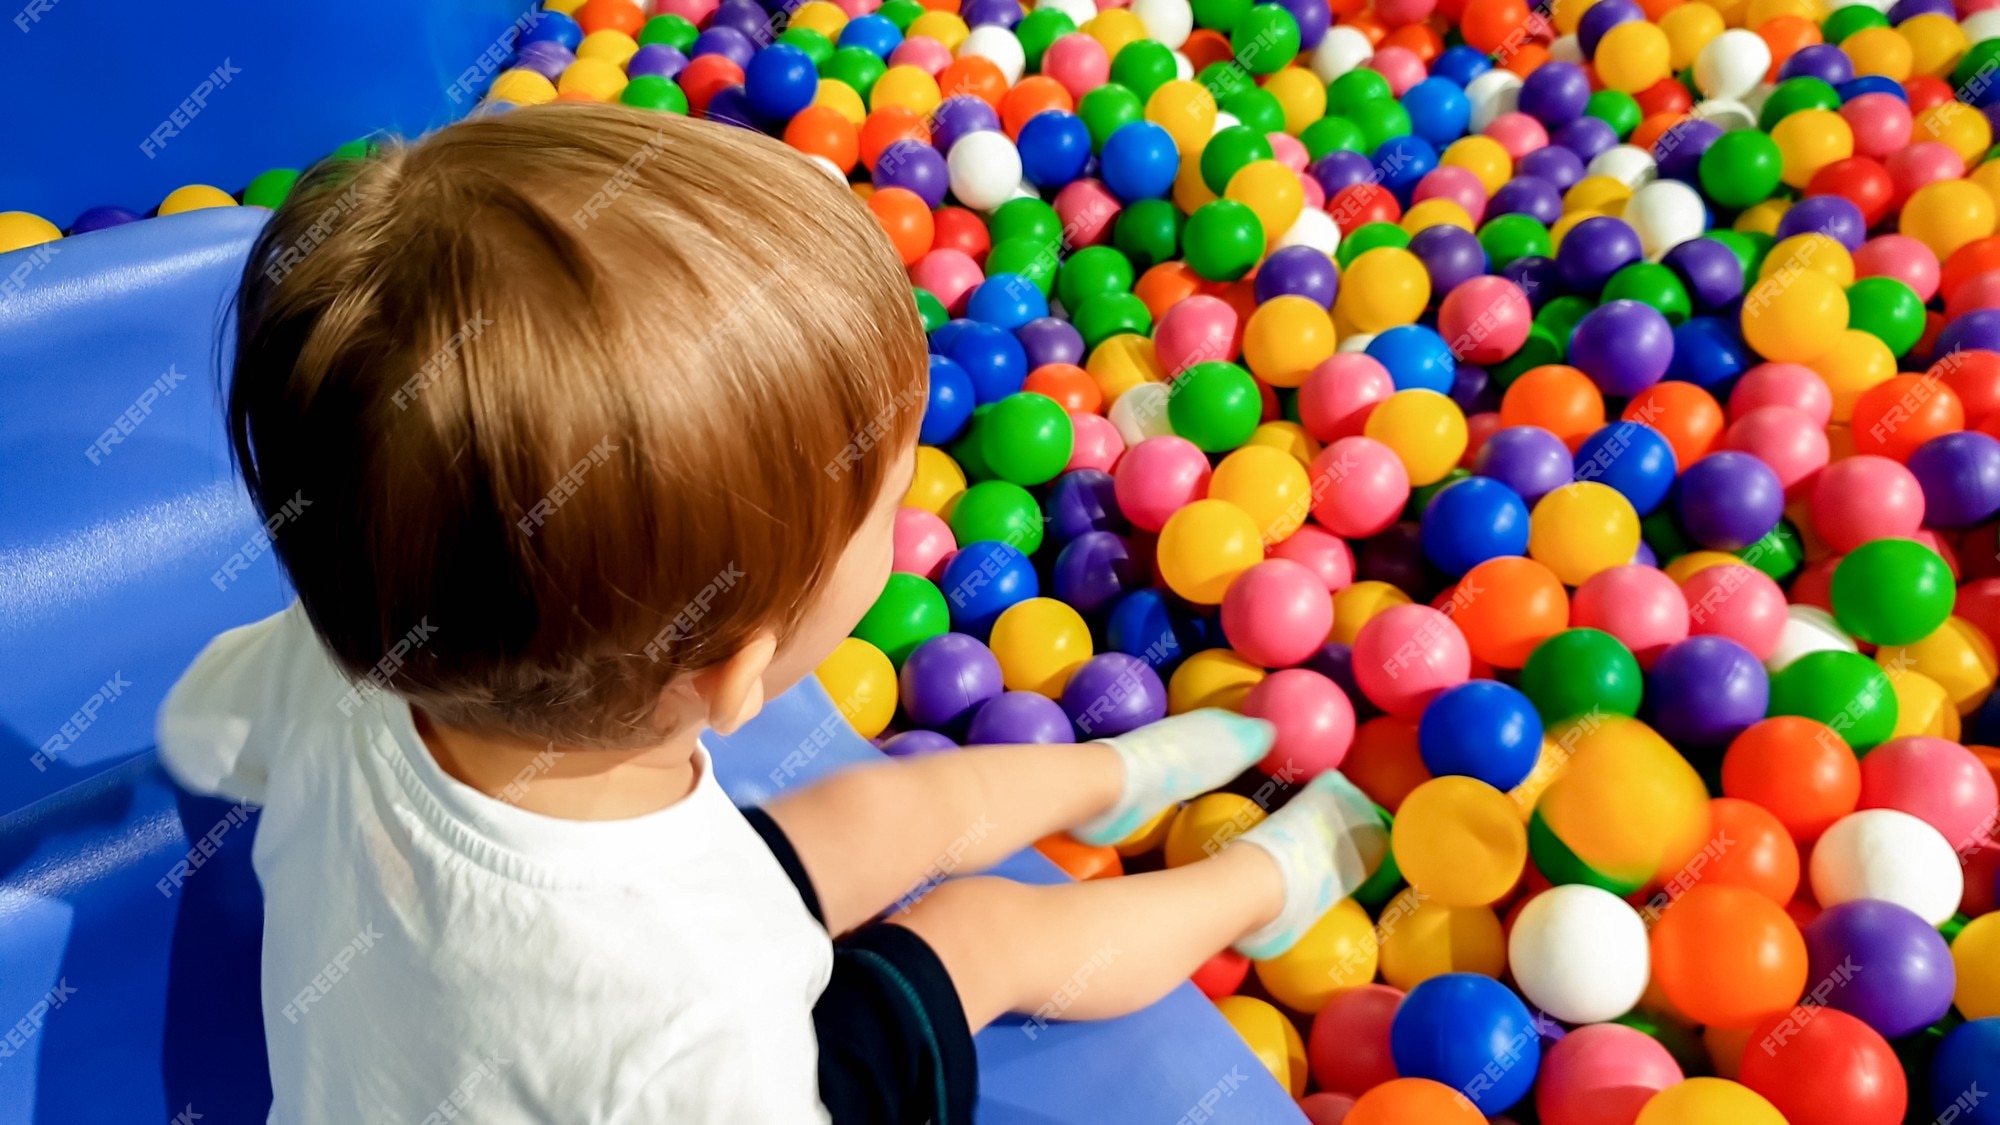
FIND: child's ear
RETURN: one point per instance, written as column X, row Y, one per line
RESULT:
column 733, row 691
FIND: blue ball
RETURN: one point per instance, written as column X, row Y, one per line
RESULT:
column 1709, row 352
column 1438, row 109
column 982, row 580
column 993, row 357
column 1144, row 624
column 1461, row 64
column 1140, row 162
column 1969, row 1055
column 946, row 334
column 950, row 405
column 1416, row 357
column 875, row 34
column 1472, row 520
column 1870, row 84
column 1482, row 729
column 1633, row 458
column 1471, row 1033
column 781, row 80
column 1054, row 146
column 1403, row 161
column 1007, row 300
column 553, row 27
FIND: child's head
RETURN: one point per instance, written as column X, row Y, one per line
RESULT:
column 595, row 419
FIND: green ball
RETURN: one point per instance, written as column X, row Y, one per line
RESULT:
column 1228, row 151
column 1749, row 248
column 650, row 91
column 1420, row 498
column 1037, row 30
column 1143, row 66
column 1026, row 217
column 1223, row 79
column 1564, row 867
column 1541, row 348
column 909, row 611
column 1380, row 887
column 1779, row 554
column 1265, row 39
column 970, row 450
column 1112, row 314
column 1000, row 511
column 1381, row 122
column 1845, row 690
column 1617, row 110
column 1793, row 95
column 1356, row 88
column 1664, row 534
column 858, row 67
column 1578, row 671
column 1219, row 15
column 1148, row 232
column 356, row 149
column 902, row 13
column 675, row 31
column 1331, row 134
column 817, row 47
column 1223, row 240
column 1888, row 310
column 931, row 310
column 1215, row 405
column 1652, row 284
column 1257, row 108
column 1108, row 109
column 1094, row 271
column 1562, row 315
column 1856, row 17
column 1027, row 438
column 270, row 188
column 1741, row 169
column 1892, row 592
column 1982, row 56
column 1370, row 236
column 1032, row 258
column 1509, row 238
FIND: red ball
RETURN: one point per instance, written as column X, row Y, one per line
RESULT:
column 1821, row 1066
column 1348, row 1047
column 705, row 77
column 1357, row 205
column 1859, row 180
column 1665, row 96
column 1926, row 92
column 961, row 230
column 1222, row 974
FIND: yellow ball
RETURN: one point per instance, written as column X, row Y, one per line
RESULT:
column 1880, row 52
column 1626, row 800
column 1287, row 436
column 1207, row 825
column 1438, row 212
column 1300, row 95
column 1204, row 546
column 1694, row 562
column 1855, row 361
column 1566, row 14
column 1339, row 951
column 1936, row 43
column 1114, row 29
column 21, row 229
column 1149, row 835
column 1460, row 841
column 862, row 684
column 1760, row 12
column 1976, row 955
column 945, row 27
column 1482, row 156
column 1123, row 362
column 1286, row 338
column 1810, row 140
column 1922, row 707
column 566, row 7
column 195, row 197
column 1423, row 938
column 1382, row 289
column 1948, row 214
column 1633, row 56
column 597, row 79
column 938, row 482
column 839, row 97
column 1810, row 251
column 1039, row 643
column 1271, row 1037
column 609, row 44
column 1987, row 176
column 522, row 87
column 1357, row 605
column 1190, row 190
column 1184, row 108
column 819, row 15
column 1707, row 1101
column 1795, row 317
column 1569, row 222
column 1963, row 129
column 1957, row 657
column 1763, row 218
column 1598, row 194
column 910, row 87
column 1213, row 677
column 1271, row 191
column 1689, row 27
column 1581, row 529
column 1269, row 484
column 1425, row 430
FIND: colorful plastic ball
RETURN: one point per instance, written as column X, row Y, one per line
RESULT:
column 1842, row 689
column 1113, row 693
column 1405, row 655
column 983, row 580
column 1481, row 729
column 1461, row 1028
column 1204, row 547
column 193, row 197
column 1040, row 643
column 1787, row 440
column 1602, row 1074
column 1862, row 498
column 1969, row 1053
column 1947, row 214
column 1223, row 239
column 1740, row 603
column 1277, row 613
column 1349, row 1046
column 862, row 683
column 1889, row 855
column 1631, row 457
column 1960, row 477
column 1288, row 336
column 1582, row 672
column 1706, row 690
column 1020, row 718
column 1526, row 458
column 923, row 543
column 1140, row 161
column 1882, row 964
column 1699, row 1101
column 1975, row 955
column 1727, row 501
column 1381, row 289
column 1728, row 956
column 1413, row 1099
column 1416, row 358
column 1336, row 953
column 780, row 81
column 951, row 402
column 1215, row 405
column 1471, row 521
column 1892, row 592
column 1366, row 487
column 1158, row 477
column 1938, row 781
column 1313, row 717
column 1583, row 528
column 947, row 678
column 916, row 743
column 1507, row 606
column 1425, row 430
column 1485, row 319
column 1827, row 1070
column 909, row 611
column 1094, row 569
column 1459, row 841
column 1624, row 346
column 1797, row 769
column 1579, row 953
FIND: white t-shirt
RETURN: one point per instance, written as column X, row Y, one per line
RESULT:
column 432, row 954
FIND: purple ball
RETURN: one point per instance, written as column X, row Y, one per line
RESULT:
column 1602, row 17
column 1595, row 249
column 914, row 166
column 1451, row 255
column 1823, row 61
column 994, row 13
column 1050, row 339
column 1474, row 390
column 1712, row 271
column 1678, row 151
column 1728, row 500
column 1553, row 163
column 915, row 743
column 1624, row 346
column 1113, row 693
column 731, row 106
column 1019, row 717
column 1082, row 501
column 1335, row 661
column 1830, row 215
column 1890, row 969
column 663, row 59
column 1096, row 569
column 1644, row 556
column 1705, row 690
column 1313, row 18
column 1555, row 94
column 1341, row 169
column 1978, row 330
column 1911, row 9
column 958, row 116
column 1528, row 459
column 1539, row 278
column 947, row 678
column 1587, row 137
column 1298, row 271
column 727, row 42
column 102, row 218
column 545, row 57
column 1533, row 196
column 1960, row 475
column 750, row 19
column 1397, row 557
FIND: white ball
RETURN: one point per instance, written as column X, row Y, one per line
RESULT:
column 1223, row 120
column 1341, row 50
column 1080, row 12
column 1314, row 228
column 1141, row 413
column 1981, row 26
column 830, row 168
column 1665, row 213
column 1356, row 343
column 1889, row 855
column 1579, row 953
column 1732, row 64
column 1492, row 94
column 1567, row 49
column 1727, row 114
column 1628, row 164
column 1807, row 629
column 1166, row 21
column 1183, row 67
column 985, row 170
column 998, row 46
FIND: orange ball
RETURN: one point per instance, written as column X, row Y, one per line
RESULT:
column 611, row 15
column 1406, row 1101
column 819, row 130
column 1787, row 36
column 1796, row 769
column 1981, row 255
column 1687, row 416
column 1206, row 47
column 705, row 77
column 1418, row 39
column 1893, row 418
column 1508, row 605
column 1656, row 126
column 1760, row 854
column 1071, row 386
column 1487, row 24
column 1384, row 762
column 905, row 219
column 883, row 128
column 1559, row 399
column 941, row 6
column 1529, row 58
column 1036, row 94
column 972, row 74
column 1727, row 956
column 1167, row 285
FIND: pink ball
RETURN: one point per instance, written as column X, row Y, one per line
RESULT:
column 1784, row 438
column 1078, row 62
column 922, row 542
column 1289, row 151
column 695, row 12
column 949, row 275
column 1277, row 613
column 1478, row 428
column 1315, row 194
column 1339, row 394
column 1158, row 477
column 923, row 52
column 1400, row 66
column 1782, row 384
column 1901, row 257
column 1866, row 497
column 1518, row 133
column 1348, row 1047
column 1098, row 443
column 1325, row 1109
column 1405, row 655
column 1881, row 124
column 1922, row 164
column 1935, row 780
column 1362, row 487
column 1314, row 720
column 1602, row 1074
column 1486, row 319
column 1087, row 209
column 1325, row 554
column 1637, row 604
column 1738, row 602
column 1396, row 13
column 1197, row 330
column 1459, row 185
column 855, row 8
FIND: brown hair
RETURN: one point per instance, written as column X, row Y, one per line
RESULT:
column 566, row 402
